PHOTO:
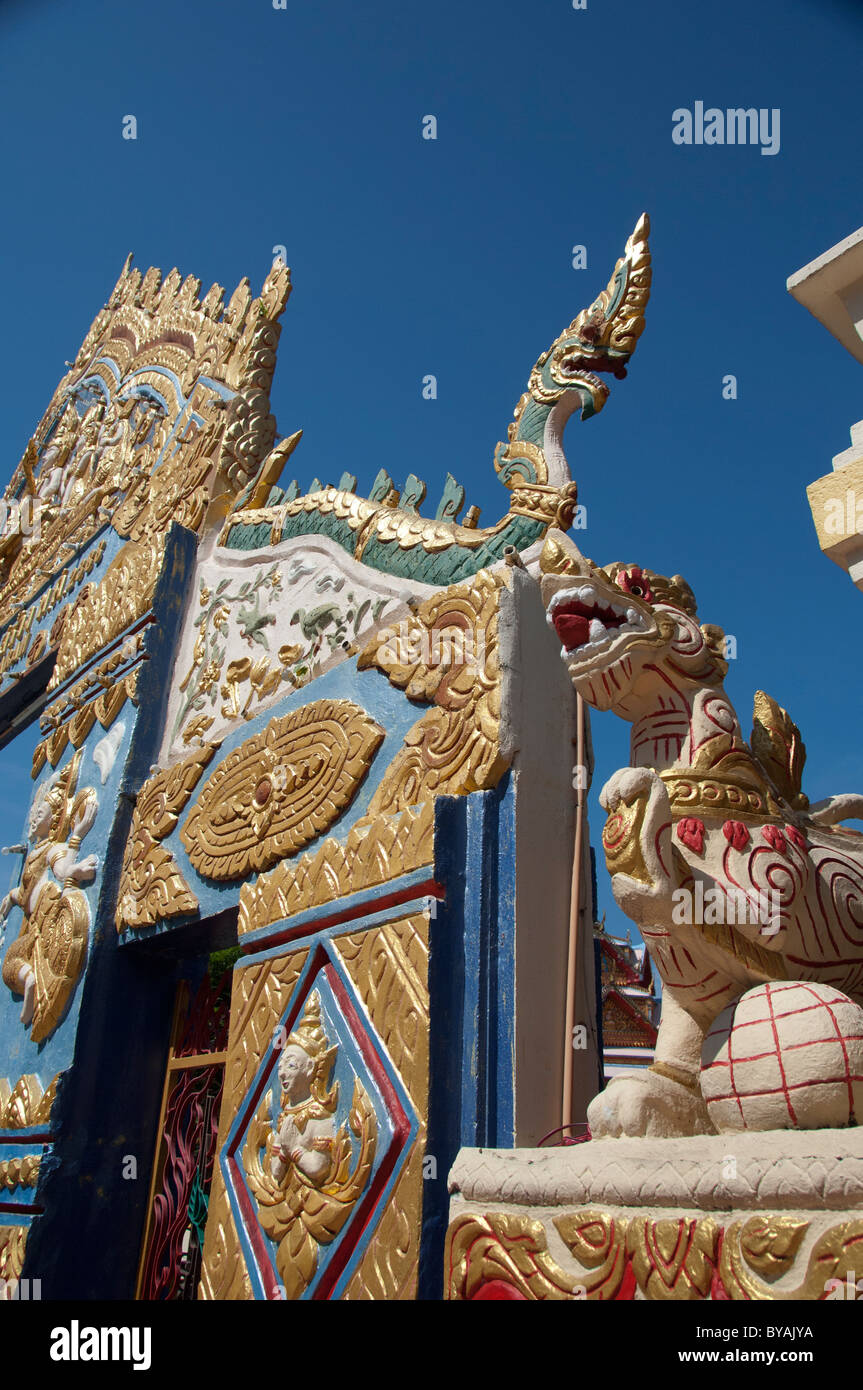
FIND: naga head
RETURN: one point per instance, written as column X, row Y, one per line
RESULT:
column 564, row 379
column 603, row 337
column 626, row 631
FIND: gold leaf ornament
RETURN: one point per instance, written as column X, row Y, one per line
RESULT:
column 777, row 745
column 152, row 887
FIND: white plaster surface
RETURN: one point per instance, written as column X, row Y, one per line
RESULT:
column 831, row 288
column 313, row 571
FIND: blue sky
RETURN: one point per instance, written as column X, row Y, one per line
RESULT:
column 302, row 127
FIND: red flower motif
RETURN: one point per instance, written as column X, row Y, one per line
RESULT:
column 634, row 581
column 736, row 834
column 774, row 837
column 796, row 838
column 690, row 832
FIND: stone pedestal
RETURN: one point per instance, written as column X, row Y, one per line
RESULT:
column 752, row 1216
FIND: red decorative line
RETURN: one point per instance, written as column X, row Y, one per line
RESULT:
column 427, row 888
column 657, row 844
column 780, row 1090
column 787, row 1047
column 789, row 1013
column 401, row 1126
column 253, row 1231
column 842, row 1043
column 772, row 1020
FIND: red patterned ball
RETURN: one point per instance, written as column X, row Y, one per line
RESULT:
column 785, row 1055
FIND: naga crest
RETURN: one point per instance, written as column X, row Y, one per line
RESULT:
column 599, row 339
column 603, row 337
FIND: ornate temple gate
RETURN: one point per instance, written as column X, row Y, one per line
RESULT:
column 342, row 726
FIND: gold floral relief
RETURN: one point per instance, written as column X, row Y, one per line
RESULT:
column 100, row 695
column 597, row 1240
column 43, row 963
column 673, row 1258
column 152, row 888
column 777, row 745
column 688, row 1258
column 769, row 1247
column 445, row 653
column 303, row 1172
column 389, row 967
column 102, row 611
column 100, row 466
column 503, row 1246
column 20, row 1172
column 148, row 349
column 25, row 1104
column 621, row 841
column 13, row 1240
column 177, row 490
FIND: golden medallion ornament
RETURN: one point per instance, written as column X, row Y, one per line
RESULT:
column 280, row 789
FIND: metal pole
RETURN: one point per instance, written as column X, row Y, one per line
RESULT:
column 572, row 955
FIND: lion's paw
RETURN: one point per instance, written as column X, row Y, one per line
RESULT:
column 645, row 1105
column 627, row 785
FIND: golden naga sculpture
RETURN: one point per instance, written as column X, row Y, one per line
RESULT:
column 45, row 960
column 307, row 1183
column 736, row 883
column 387, row 533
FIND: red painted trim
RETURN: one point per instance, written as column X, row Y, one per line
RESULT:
column 256, row 1237
column 426, row 888
column 401, row 1124
column 497, row 1290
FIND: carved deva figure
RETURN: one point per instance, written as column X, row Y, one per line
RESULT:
column 749, row 899
column 45, row 959
column 300, row 1170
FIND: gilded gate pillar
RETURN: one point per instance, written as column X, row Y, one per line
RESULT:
column 319, row 1187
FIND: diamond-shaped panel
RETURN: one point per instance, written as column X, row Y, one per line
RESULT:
column 304, row 1220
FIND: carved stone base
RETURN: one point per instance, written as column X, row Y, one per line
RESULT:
column 755, row 1216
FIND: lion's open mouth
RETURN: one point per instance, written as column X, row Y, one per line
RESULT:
column 582, row 619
